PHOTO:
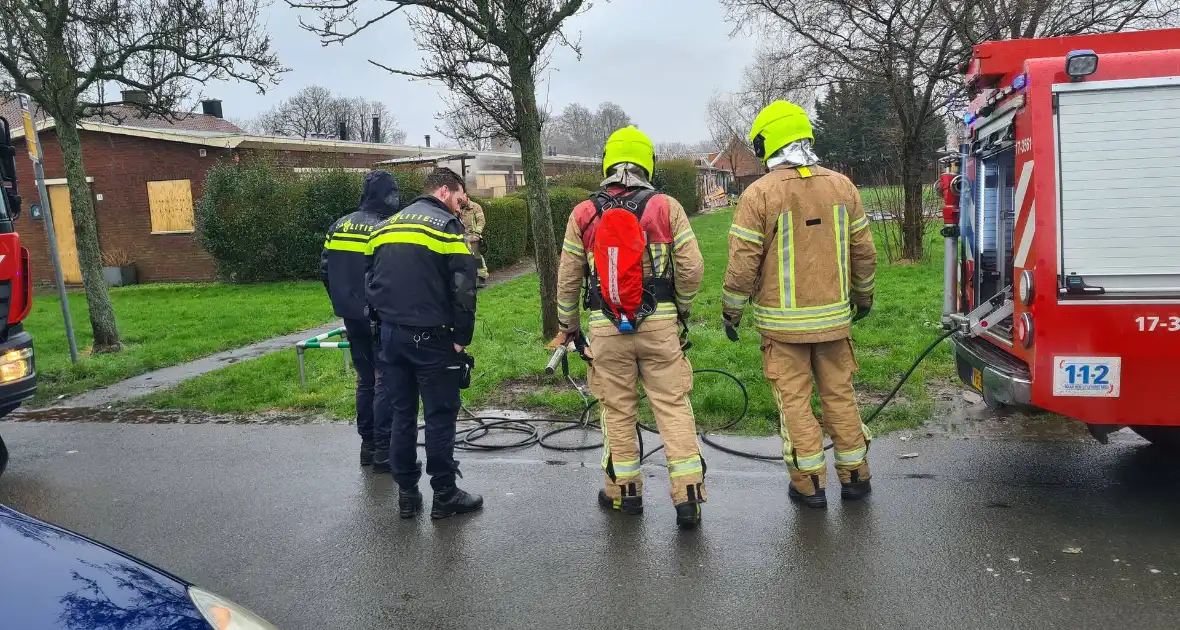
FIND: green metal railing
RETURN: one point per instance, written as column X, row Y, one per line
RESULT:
column 321, row 341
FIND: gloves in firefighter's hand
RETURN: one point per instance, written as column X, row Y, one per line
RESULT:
column 861, row 312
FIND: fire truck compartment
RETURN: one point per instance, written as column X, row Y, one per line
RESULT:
column 1118, row 158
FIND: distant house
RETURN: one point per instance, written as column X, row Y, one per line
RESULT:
column 145, row 174
column 740, row 162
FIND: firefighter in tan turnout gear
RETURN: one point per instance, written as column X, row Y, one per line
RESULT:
column 801, row 251
column 626, row 352
column 473, row 222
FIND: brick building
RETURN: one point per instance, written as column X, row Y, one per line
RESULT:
column 145, row 175
column 739, row 160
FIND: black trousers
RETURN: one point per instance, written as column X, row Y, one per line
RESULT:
column 413, row 363
column 362, row 347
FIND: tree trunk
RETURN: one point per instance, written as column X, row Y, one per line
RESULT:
column 98, row 300
column 532, row 158
column 913, row 222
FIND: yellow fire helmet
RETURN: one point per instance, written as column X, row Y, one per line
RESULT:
column 778, row 125
column 629, row 145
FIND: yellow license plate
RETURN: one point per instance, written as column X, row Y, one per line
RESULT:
column 977, row 379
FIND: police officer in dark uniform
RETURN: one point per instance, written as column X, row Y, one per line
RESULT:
column 343, row 265
column 422, row 287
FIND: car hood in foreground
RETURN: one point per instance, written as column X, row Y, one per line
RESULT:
column 54, row 578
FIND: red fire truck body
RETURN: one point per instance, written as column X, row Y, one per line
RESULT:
column 1063, row 229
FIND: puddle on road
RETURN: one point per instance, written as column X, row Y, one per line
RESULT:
column 958, row 418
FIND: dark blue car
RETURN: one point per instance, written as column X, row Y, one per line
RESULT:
column 52, row 578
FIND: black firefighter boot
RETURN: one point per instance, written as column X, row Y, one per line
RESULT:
column 817, row 500
column 856, row 488
column 688, row 514
column 451, row 501
column 366, row 452
column 409, row 502
column 630, row 504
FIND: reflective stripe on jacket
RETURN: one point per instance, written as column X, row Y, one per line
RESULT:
column 801, row 250
column 423, row 274
column 343, row 265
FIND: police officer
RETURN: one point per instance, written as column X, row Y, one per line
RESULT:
column 422, row 288
column 801, row 250
column 473, row 222
column 343, row 265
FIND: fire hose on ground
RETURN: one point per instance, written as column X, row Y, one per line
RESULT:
column 531, row 433
column 530, row 429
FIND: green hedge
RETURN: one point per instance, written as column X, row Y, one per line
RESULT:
column 505, row 234
column 262, row 223
column 678, row 179
column 586, row 180
column 562, row 201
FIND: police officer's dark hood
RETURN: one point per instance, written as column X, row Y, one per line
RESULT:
column 380, row 194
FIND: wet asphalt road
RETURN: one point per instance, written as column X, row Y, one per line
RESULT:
column 280, row 519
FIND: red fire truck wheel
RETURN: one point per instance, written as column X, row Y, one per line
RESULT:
column 1167, row 437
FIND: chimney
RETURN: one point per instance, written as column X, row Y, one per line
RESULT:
column 135, row 96
column 211, row 107
column 343, row 133
column 427, row 141
column 377, row 129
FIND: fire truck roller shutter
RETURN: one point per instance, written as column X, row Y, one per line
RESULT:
column 1118, row 156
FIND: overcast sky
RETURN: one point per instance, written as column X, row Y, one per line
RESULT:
column 659, row 59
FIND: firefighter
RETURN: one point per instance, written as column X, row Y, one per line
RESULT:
column 473, row 222
column 422, row 290
column 801, row 250
column 650, row 355
column 343, row 266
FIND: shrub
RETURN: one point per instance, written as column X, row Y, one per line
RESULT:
column 678, row 179
column 409, row 183
column 561, row 205
column 586, row 180
column 244, row 219
column 505, row 234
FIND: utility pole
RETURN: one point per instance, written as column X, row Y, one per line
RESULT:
column 34, row 145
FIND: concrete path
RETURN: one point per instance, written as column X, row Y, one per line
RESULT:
column 959, row 533
column 150, row 382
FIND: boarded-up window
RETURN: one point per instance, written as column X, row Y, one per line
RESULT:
column 171, row 203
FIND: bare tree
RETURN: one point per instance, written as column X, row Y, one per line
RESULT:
column 159, row 47
column 489, row 53
column 609, row 119
column 357, row 114
column 575, row 131
column 728, row 127
column 914, row 49
column 314, row 111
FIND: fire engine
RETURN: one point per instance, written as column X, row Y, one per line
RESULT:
column 18, row 379
column 1062, row 230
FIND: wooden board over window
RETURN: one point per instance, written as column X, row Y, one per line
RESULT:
column 171, row 203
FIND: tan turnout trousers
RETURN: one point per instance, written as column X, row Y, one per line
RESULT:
column 650, row 356
column 792, row 368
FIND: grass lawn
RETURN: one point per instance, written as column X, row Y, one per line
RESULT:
column 510, row 355
column 166, row 324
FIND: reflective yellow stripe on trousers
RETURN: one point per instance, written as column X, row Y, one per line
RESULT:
column 686, row 466
column 805, row 464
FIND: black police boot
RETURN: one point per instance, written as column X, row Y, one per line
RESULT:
column 688, row 514
column 366, row 453
column 451, row 501
column 856, row 488
column 631, row 506
column 381, row 460
column 409, row 502
column 817, row 500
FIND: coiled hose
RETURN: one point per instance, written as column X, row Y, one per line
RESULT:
column 530, row 430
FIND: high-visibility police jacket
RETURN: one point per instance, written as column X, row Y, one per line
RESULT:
column 670, row 241
column 801, row 250
column 343, row 263
column 423, row 274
